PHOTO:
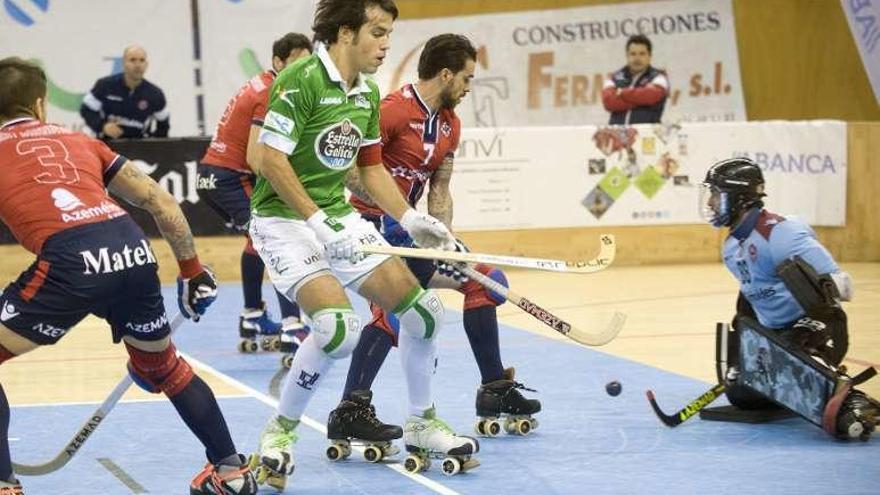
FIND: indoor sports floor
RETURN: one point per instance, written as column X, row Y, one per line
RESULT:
column 587, row 441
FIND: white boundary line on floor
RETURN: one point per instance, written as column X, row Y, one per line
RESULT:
column 315, row 425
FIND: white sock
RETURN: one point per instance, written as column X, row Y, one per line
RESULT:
column 309, row 366
column 418, row 357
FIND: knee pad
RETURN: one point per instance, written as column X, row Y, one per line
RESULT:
column 386, row 322
column 476, row 296
column 157, row 372
column 336, row 331
column 423, row 316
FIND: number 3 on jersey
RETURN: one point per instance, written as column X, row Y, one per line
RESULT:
column 54, row 157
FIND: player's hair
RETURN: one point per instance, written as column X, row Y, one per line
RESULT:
column 445, row 51
column 282, row 47
column 21, row 83
column 331, row 15
column 639, row 39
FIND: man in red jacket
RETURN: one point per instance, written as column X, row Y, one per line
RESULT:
column 636, row 94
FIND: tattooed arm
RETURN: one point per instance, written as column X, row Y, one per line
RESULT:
column 353, row 183
column 142, row 191
column 439, row 196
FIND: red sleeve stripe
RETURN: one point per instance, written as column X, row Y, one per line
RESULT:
column 370, row 155
column 111, row 171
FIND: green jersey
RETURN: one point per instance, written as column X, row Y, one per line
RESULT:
column 321, row 127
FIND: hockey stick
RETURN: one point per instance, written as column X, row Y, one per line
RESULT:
column 583, row 337
column 689, row 410
column 89, row 427
column 597, row 264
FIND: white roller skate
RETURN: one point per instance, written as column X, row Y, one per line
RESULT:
column 274, row 463
column 429, row 438
column 255, row 322
column 293, row 333
column 224, row 479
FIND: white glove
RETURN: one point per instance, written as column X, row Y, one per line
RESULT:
column 427, row 231
column 339, row 242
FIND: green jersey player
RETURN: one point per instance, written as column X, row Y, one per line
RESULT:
column 323, row 119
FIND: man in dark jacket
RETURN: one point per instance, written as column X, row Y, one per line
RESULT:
column 126, row 105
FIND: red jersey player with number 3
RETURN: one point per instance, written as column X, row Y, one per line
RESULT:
column 93, row 259
column 420, row 132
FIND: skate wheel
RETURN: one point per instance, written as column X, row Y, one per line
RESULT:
column 373, row 454
column 413, row 464
column 270, row 344
column 335, row 452
column 534, row 423
column 247, row 346
column 287, row 360
column 855, row 429
column 478, row 427
column 277, row 481
column 523, row 427
column 451, row 466
column 492, row 428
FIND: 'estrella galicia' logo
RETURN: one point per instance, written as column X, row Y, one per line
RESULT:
column 338, row 145
column 19, row 14
column 307, row 380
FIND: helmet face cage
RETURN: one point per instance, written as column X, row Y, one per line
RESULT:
column 731, row 187
column 714, row 205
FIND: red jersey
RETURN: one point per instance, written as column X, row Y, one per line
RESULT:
column 53, row 179
column 415, row 142
column 228, row 148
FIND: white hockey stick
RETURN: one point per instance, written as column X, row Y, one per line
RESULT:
column 87, row 428
column 574, row 333
column 599, row 263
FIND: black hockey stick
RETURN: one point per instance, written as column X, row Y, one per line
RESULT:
column 689, row 410
column 89, row 427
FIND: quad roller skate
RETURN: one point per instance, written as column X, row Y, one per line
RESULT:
column 501, row 405
column 354, row 422
column 224, row 479
column 274, row 463
column 429, row 438
column 293, row 333
column 256, row 322
column 857, row 417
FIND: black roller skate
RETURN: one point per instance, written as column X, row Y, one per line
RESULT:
column 501, row 405
column 293, row 333
column 255, row 322
column 224, row 479
column 858, row 416
column 354, row 422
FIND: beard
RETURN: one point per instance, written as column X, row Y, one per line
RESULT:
column 447, row 101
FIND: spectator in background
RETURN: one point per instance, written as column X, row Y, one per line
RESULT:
column 636, row 94
column 126, row 105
